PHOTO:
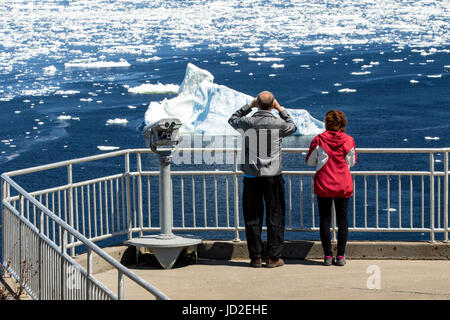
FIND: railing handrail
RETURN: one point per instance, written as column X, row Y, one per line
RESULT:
column 224, row 150
column 57, row 250
column 86, row 241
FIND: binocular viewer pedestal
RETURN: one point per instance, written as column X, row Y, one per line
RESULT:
column 164, row 138
column 166, row 248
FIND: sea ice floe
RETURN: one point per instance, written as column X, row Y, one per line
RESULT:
column 149, row 88
column 265, row 59
column 155, row 58
column 50, row 70
column 107, row 148
column 434, row 76
column 96, row 64
column 117, row 121
column 347, row 90
column 66, row 92
column 360, row 73
column 277, row 66
column 432, row 138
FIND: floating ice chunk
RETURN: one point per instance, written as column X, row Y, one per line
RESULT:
column 277, row 66
column 390, row 210
column 347, row 90
column 117, row 121
column 205, row 107
column 50, row 70
column 148, row 88
column 325, row 92
column 360, row 73
column 64, row 117
column 107, row 148
column 96, row 64
column 432, row 138
column 155, row 58
column 66, row 92
column 395, row 60
column 86, row 99
column 430, row 52
column 447, row 67
column 265, row 59
column 413, row 81
column 434, row 76
column 132, row 107
column 304, row 66
column 357, row 60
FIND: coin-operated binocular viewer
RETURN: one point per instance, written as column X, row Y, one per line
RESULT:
column 163, row 136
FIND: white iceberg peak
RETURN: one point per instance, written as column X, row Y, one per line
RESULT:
column 193, row 78
column 205, row 107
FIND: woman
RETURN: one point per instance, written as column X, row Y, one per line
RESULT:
column 333, row 153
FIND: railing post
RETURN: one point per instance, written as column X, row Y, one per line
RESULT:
column 3, row 218
column 120, row 292
column 140, row 199
column 89, row 273
column 63, row 283
column 21, row 211
column 41, row 254
column 446, row 197
column 69, row 182
column 236, row 199
column 432, row 197
column 334, row 240
column 128, row 194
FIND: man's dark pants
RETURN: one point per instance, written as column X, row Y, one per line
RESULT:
column 268, row 191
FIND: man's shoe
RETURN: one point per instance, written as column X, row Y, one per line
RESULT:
column 274, row 263
column 340, row 261
column 256, row 263
column 328, row 261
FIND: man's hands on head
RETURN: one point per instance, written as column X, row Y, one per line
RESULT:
column 276, row 105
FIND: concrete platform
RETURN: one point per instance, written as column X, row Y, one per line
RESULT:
column 297, row 279
column 374, row 270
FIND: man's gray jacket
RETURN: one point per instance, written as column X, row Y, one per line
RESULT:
column 262, row 135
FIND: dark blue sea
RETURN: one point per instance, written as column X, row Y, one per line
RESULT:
column 387, row 68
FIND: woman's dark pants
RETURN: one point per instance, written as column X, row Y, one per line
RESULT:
column 268, row 191
column 341, row 205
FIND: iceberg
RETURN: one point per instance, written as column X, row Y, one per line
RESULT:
column 204, row 107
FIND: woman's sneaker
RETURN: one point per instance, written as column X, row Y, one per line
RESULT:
column 328, row 260
column 340, row 261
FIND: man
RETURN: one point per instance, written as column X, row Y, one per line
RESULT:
column 263, row 183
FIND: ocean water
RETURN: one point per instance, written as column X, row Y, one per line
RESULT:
column 67, row 70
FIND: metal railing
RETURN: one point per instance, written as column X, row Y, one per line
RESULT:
column 77, row 214
column 40, row 262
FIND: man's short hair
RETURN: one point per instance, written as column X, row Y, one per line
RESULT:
column 335, row 120
column 265, row 103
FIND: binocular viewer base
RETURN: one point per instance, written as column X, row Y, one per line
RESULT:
column 165, row 247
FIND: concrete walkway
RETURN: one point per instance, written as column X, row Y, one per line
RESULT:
column 297, row 279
